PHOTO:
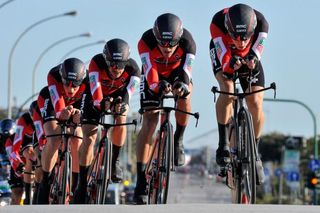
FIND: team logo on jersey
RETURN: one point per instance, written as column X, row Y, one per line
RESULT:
column 53, row 94
column 144, row 63
column 218, row 49
column 93, row 80
column 18, row 135
column 38, row 128
column 261, row 45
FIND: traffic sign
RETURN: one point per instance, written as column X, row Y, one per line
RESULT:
column 314, row 164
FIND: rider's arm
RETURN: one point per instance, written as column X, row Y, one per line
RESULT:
column 188, row 46
column 95, row 83
column 149, row 66
column 223, row 52
column 260, row 35
column 55, row 89
column 133, row 83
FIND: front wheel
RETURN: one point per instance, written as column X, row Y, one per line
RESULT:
column 165, row 159
column 247, row 171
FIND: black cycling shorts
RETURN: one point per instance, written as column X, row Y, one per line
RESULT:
column 216, row 67
column 14, row 181
column 150, row 99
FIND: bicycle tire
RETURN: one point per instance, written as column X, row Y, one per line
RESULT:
column 165, row 162
column 106, row 175
column 248, row 158
column 55, row 187
column 66, row 179
column 95, row 179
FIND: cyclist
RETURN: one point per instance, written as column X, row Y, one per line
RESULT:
column 61, row 100
column 23, row 156
column 39, row 141
column 7, row 133
column 112, row 74
column 167, row 53
column 238, row 35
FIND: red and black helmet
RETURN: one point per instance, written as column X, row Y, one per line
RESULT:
column 168, row 30
column 116, row 52
column 240, row 21
column 72, row 71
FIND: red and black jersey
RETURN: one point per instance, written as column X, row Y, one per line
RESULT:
column 58, row 96
column 23, row 135
column 155, row 65
column 224, row 46
column 102, row 84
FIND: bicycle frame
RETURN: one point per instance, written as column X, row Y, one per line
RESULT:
column 99, row 175
column 60, row 191
column 244, row 153
column 161, row 160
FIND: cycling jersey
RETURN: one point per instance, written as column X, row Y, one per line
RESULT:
column 224, row 46
column 58, row 96
column 39, row 136
column 22, row 139
column 155, row 66
column 103, row 85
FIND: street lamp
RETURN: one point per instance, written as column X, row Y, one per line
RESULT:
column 72, row 13
column 46, row 50
column 5, row 3
column 80, row 47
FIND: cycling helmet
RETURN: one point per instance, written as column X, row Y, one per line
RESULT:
column 116, row 52
column 33, row 107
column 240, row 21
column 7, row 127
column 72, row 71
column 168, row 30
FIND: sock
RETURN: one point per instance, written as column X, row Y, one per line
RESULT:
column 75, row 176
column 44, row 189
column 27, row 189
column 83, row 177
column 35, row 193
column 223, row 135
column 115, row 153
column 178, row 134
column 141, row 176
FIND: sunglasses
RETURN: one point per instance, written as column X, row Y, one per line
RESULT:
column 171, row 43
column 117, row 64
column 71, row 83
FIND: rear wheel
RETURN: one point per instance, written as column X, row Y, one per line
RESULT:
column 66, row 180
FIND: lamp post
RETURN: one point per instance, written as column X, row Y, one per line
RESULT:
column 80, row 47
column 5, row 3
column 72, row 13
column 46, row 50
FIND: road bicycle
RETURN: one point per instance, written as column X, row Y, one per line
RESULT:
column 99, row 175
column 60, row 191
column 162, row 155
column 241, row 170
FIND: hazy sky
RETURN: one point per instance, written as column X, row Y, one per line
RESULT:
column 290, row 57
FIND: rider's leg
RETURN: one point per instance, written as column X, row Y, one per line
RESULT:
column 28, row 177
column 223, row 113
column 75, row 145
column 85, row 159
column 181, row 123
column 255, row 106
column 37, row 175
column 48, row 159
column 118, row 137
column 143, row 149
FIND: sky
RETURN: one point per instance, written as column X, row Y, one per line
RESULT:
column 290, row 56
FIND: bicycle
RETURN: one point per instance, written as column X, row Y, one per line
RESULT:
column 161, row 161
column 99, row 176
column 60, row 190
column 241, row 170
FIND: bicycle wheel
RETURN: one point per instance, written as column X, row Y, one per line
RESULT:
column 95, row 179
column 55, row 186
column 106, row 174
column 165, row 160
column 66, row 180
column 248, row 158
